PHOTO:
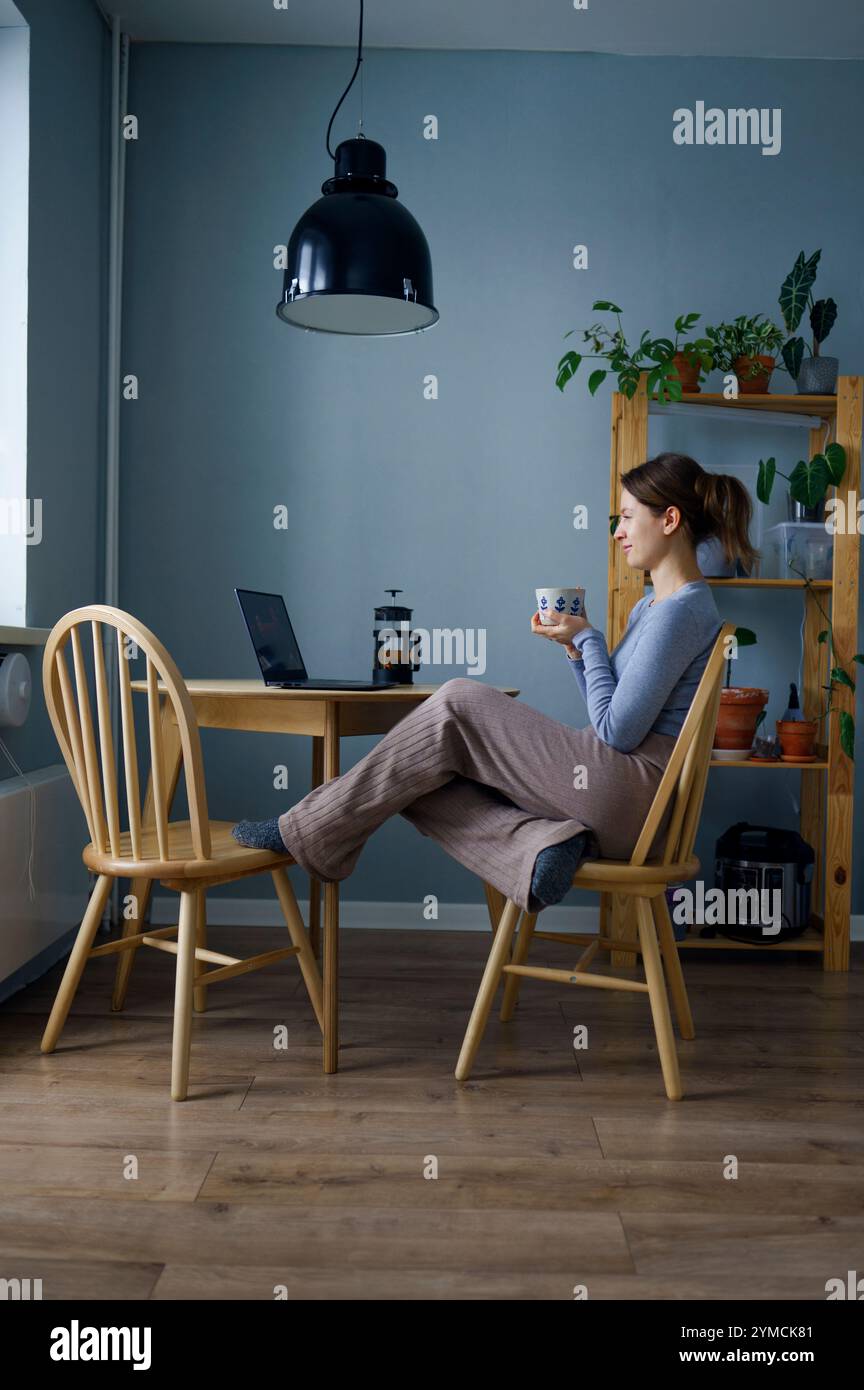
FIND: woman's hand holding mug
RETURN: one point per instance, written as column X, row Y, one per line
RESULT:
column 563, row 631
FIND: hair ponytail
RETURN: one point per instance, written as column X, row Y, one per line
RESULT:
column 727, row 507
column 711, row 504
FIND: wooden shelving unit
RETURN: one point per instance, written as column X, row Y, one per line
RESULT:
column 827, row 786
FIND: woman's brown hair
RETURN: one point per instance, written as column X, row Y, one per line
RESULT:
column 711, row 504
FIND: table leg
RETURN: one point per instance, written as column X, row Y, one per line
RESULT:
column 314, row 883
column 330, row 769
column 139, row 888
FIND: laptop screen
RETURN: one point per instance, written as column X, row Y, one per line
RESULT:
column 272, row 636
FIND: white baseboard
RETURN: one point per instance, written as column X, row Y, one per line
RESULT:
column 264, row 912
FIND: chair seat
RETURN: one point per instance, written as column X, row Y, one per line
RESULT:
column 619, row 872
column 227, row 860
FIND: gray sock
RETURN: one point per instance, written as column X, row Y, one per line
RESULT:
column 260, row 834
column 554, row 868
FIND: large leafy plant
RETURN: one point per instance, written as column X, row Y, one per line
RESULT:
column 627, row 363
column 796, row 296
column 750, row 337
column 808, row 481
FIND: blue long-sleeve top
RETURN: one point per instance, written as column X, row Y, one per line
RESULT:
column 648, row 683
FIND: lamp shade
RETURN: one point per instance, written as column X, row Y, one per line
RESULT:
column 358, row 262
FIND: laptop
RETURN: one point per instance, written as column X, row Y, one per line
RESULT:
column 276, row 648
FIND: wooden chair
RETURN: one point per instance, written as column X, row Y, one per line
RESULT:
column 640, row 880
column 187, row 856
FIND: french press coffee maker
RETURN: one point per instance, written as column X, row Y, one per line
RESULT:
column 395, row 656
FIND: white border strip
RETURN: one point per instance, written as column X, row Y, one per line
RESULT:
column 264, row 912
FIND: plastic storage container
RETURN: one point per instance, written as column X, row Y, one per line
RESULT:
column 806, row 545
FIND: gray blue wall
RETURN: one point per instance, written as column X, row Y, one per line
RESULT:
column 465, row 502
column 67, row 277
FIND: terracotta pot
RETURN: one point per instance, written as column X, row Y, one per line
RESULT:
column 797, row 737
column 753, row 385
column 736, row 720
column 687, row 372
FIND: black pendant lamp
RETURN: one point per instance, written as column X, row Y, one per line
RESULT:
column 358, row 262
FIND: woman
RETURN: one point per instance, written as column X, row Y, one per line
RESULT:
column 515, row 796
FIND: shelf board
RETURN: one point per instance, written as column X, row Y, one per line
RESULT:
column 811, row 940
column 758, row 583
column 823, row 406
column 749, row 762
column 24, row 636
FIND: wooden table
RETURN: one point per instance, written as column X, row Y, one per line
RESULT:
column 324, row 716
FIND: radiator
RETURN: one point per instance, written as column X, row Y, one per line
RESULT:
column 30, row 927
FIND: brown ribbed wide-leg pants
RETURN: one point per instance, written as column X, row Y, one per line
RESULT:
column 493, row 781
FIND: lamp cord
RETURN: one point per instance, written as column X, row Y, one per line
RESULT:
column 350, row 84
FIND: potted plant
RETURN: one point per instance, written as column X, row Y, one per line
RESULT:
column 815, row 375
column 742, row 707
column 798, row 737
column 808, row 482
column 690, row 360
column 747, row 347
column 654, row 355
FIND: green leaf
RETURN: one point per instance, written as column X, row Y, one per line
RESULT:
column 847, row 734
column 606, row 306
column 596, row 379
column 835, row 458
column 859, row 657
column 567, row 369
column 613, row 523
column 795, row 289
column 745, row 637
column 808, row 482
column 840, row 676
column 823, row 316
column 628, row 380
column 672, row 385
column 793, row 356
column 569, row 334
column 660, row 350
column 664, row 381
column 822, row 635
column 765, row 479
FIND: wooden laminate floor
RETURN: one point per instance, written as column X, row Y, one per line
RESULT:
column 556, row 1168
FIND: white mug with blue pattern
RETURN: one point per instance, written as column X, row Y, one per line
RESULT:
column 552, row 603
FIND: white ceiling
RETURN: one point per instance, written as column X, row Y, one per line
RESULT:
column 747, row 28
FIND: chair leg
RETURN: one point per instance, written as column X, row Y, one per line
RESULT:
column 495, row 901
column 183, row 993
column 659, row 1001
column 297, row 931
column 140, row 890
column 76, row 962
column 488, row 985
column 520, row 955
column 199, row 993
column 672, row 961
